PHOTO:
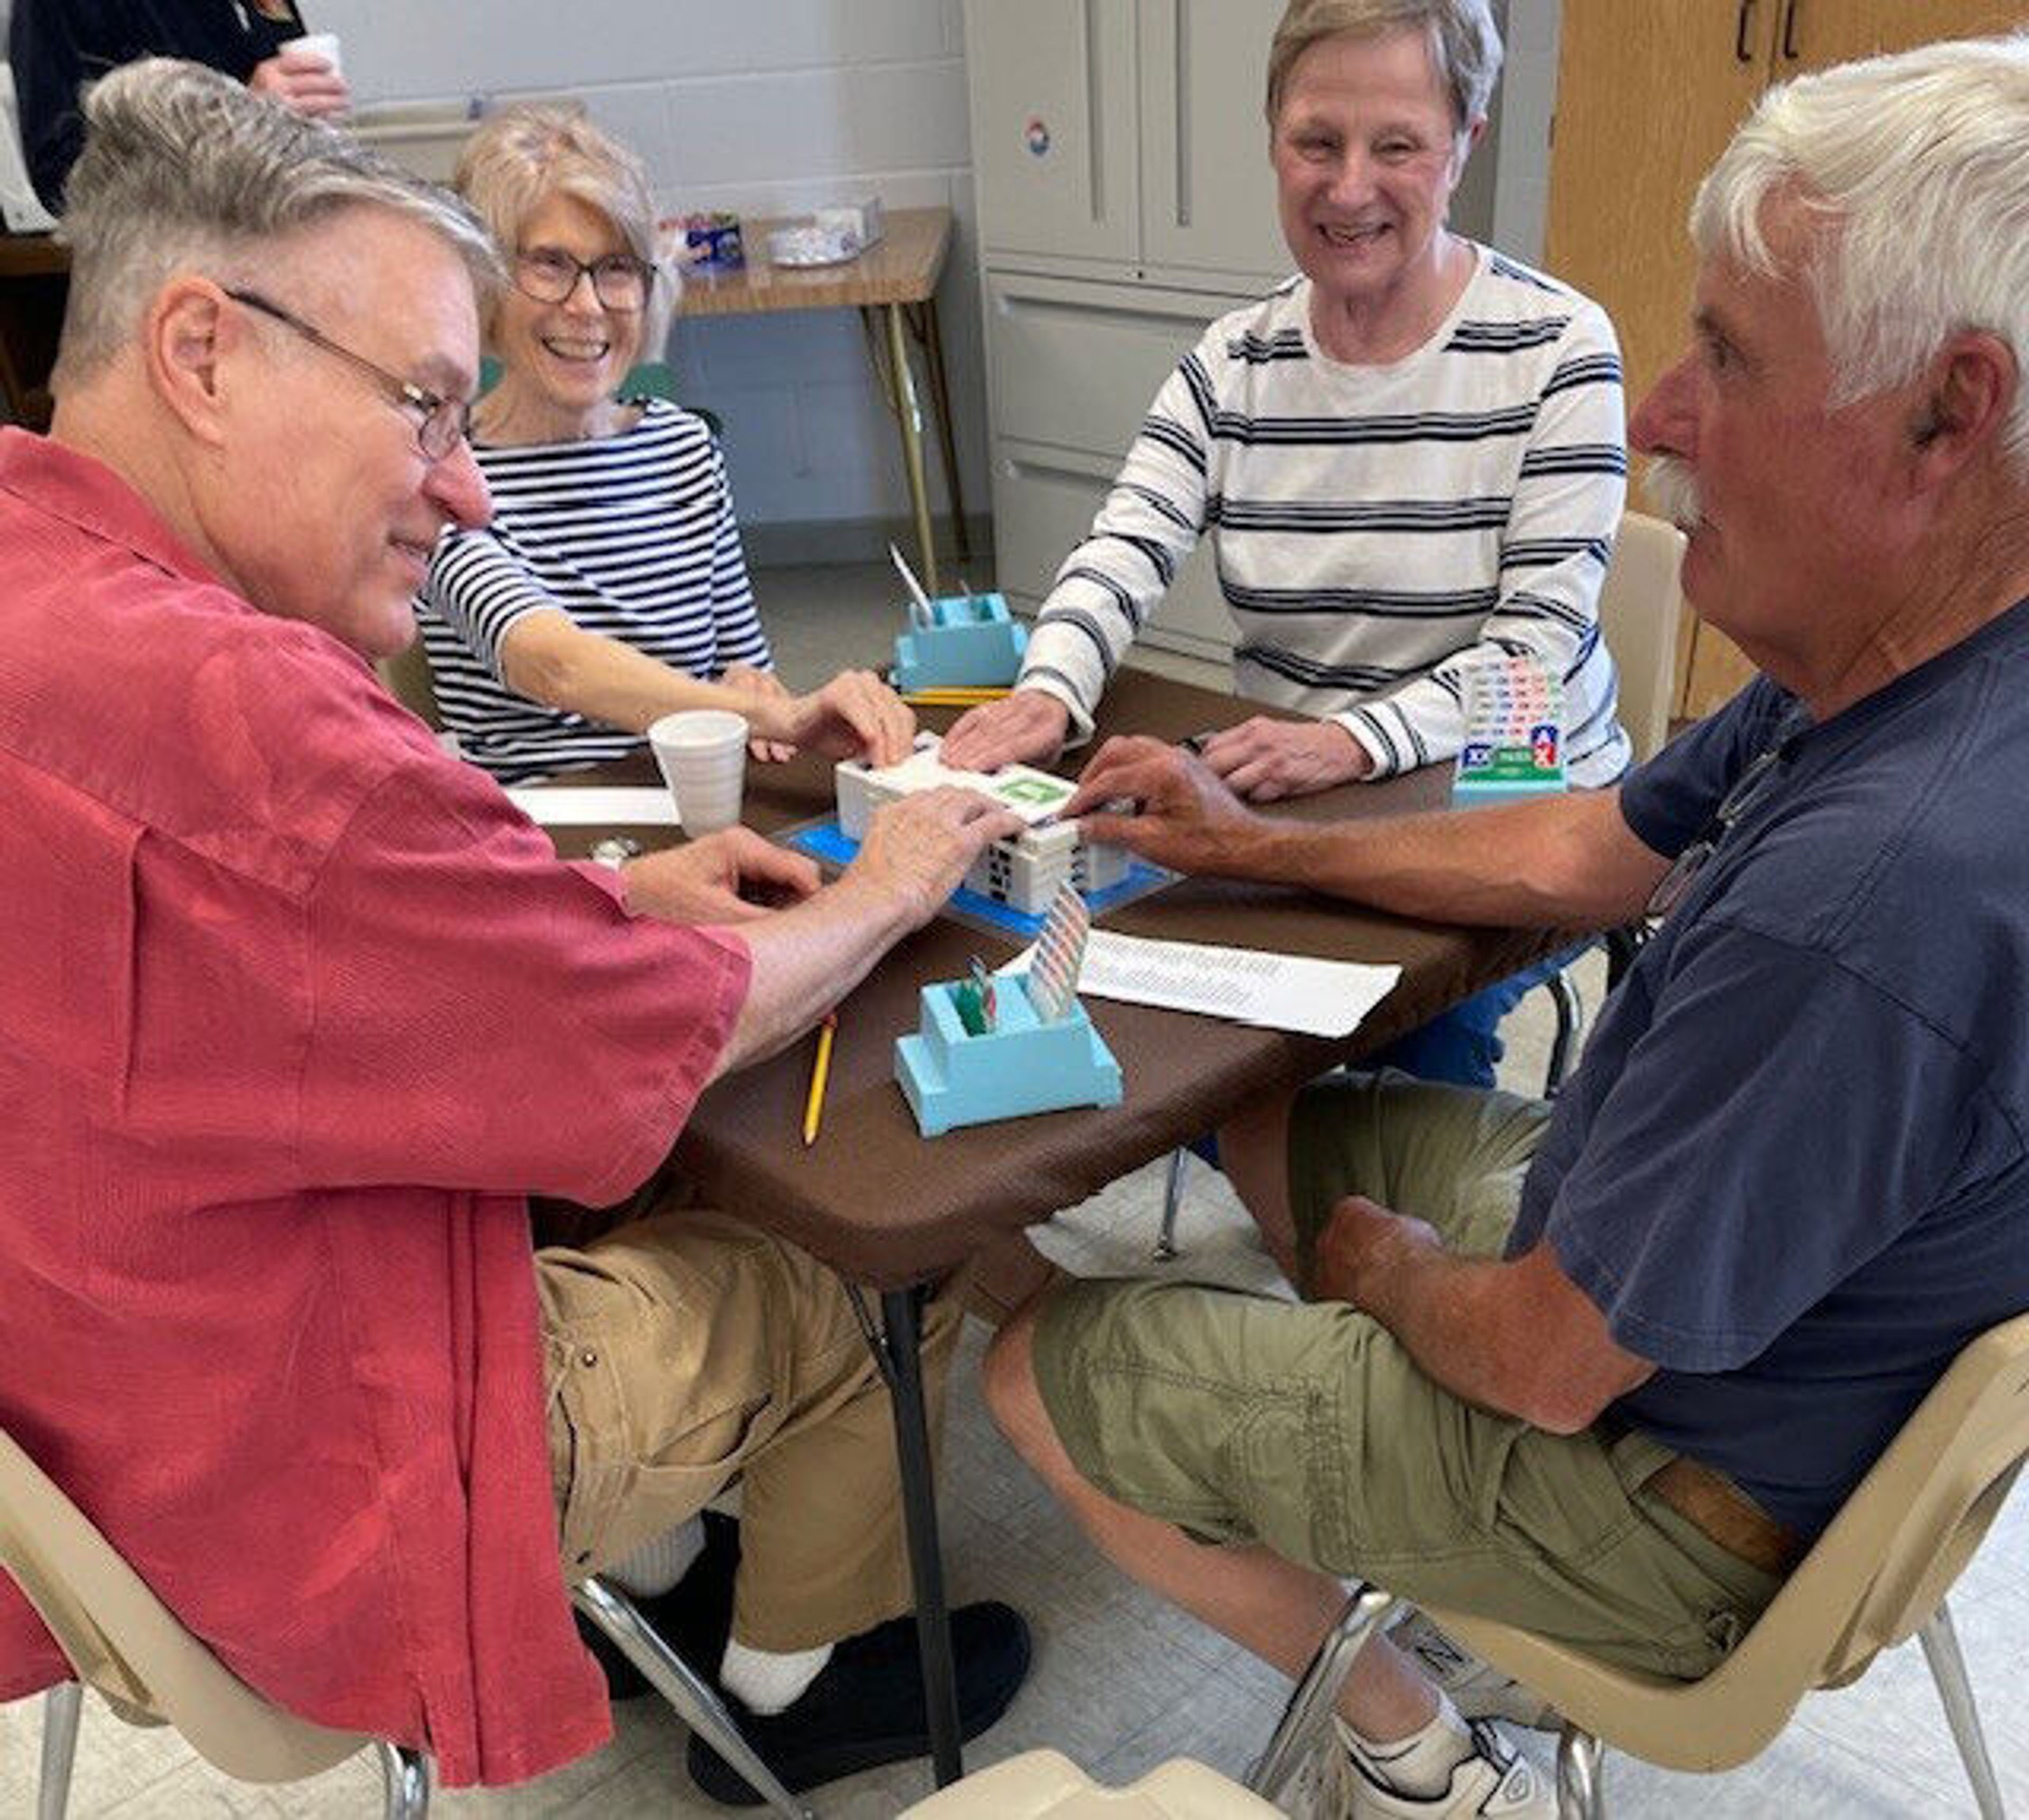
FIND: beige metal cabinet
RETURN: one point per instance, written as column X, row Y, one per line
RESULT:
column 1124, row 200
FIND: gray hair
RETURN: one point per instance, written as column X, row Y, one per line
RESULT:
column 1914, row 169
column 1465, row 44
column 522, row 156
column 185, row 169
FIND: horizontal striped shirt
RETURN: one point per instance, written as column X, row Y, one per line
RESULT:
column 1376, row 528
column 633, row 537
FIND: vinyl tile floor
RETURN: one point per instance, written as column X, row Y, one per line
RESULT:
column 1121, row 1682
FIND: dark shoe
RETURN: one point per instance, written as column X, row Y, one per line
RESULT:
column 867, row 1707
column 694, row 1617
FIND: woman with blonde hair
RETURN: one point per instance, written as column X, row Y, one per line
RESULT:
column 609, row 588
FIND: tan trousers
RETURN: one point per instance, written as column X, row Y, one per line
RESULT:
column 686, row 1349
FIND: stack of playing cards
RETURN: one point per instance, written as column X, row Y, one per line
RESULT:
column 1514, row 712
column 1053, row 975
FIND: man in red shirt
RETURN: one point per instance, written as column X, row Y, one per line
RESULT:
column 295, row 1011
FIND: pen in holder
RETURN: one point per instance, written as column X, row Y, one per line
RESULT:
column 1024, row 1063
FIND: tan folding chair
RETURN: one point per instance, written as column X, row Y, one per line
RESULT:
column 121, row 1638
column 1640, row 607
column 1046, row 1785
column 1878, row 1576
column 407, row 677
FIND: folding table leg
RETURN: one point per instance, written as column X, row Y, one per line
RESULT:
column 898, row 1349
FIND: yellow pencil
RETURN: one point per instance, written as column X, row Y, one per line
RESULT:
column 820, row 1073
column 954, row 697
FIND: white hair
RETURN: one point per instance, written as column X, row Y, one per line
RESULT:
column 185, row 169
column 1915, row 169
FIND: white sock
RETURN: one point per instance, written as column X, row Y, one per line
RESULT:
column 660, row 1562
column 1419, row 1766
column 766, row 1680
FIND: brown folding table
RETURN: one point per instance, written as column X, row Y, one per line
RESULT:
column 892, row 1211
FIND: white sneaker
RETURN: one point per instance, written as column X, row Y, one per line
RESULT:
column 1477, row 1690
column 1494, row 1783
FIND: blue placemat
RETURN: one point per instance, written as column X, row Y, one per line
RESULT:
column 830, row 846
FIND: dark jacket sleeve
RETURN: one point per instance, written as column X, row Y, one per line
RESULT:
column 46, row 45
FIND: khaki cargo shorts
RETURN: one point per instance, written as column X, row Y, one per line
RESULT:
column 1307, row 1428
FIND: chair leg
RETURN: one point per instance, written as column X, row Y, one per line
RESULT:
column 406, row 1774
column 1173, row 1200
column 695, row 1701
column 1564, row 996
column 1948, row 1669
column 1310, row 1704
column 61, row 1707
column 1581, row 1789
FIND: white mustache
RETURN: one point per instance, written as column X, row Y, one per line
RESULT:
column 1672, row 489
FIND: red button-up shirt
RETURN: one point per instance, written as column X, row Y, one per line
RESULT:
column 294, row 1012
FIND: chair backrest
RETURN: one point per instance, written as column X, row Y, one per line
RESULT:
column 407, row 677
column 1047, row 1785
column 1909, row 1529
column 1640, row 605
column 122, row 1640
column 1874, row 1578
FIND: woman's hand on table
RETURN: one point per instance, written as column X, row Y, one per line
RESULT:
column 1027, row 727
column 1181, row 815
column 760, row 687
column 854, row 715
column 919, row 847
column 1265, row 760
column 733, row 876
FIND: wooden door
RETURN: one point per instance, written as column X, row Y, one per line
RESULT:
column 1810, row 33
column 1647, row 97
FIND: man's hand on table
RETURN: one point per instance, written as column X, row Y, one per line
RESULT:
column 1265, row 761
column 918, row 849
column 1027, row 727
column 733, row 876
column 1183, row 816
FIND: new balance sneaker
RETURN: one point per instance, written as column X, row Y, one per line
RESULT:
column 1494, row 1783
column 1477, row 1690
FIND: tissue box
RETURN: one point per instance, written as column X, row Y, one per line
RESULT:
column 861, row 222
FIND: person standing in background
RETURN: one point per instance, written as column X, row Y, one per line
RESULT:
column 56, row 46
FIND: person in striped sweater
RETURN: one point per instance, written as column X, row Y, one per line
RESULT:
column 1411, row 455
column 608, row 589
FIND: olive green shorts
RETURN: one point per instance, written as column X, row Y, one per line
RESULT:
column 1307, row 1428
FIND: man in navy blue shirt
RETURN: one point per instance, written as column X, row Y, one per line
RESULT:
column 1606, row 1371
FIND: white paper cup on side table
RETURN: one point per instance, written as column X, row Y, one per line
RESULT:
column 703, row 751
column 323, row 44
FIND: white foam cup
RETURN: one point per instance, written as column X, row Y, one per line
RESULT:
column 703, row 751
column 323, row 44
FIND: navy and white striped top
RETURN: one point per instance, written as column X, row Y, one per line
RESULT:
column 631, row 535
column 1375, row 526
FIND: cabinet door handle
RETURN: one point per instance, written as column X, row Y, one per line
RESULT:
column 1789, row 51
column 1742, row 19
column 1182, row 13
column 1094, row 118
